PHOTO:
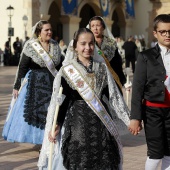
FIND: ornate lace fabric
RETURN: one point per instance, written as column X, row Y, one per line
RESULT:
column 109, row 47
column 86, row 143
column 38, row 97
column 116, row 104
column 100, row 78
column 54, row 52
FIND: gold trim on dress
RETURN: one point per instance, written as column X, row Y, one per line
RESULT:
column 115, row 76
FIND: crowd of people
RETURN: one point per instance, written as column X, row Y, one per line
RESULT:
column 11, row 56
column 130, row 48
column 71, row 96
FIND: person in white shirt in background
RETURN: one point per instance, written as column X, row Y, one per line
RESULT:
column 63, row 47
column 120, row 43
column 139, row 46
column 153, row 43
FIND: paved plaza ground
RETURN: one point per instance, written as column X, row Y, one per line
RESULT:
column 16, row 156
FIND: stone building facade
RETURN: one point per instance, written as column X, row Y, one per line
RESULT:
column 66, row 16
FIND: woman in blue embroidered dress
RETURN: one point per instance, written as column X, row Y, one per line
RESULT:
column 83, row 140
column 27, row 116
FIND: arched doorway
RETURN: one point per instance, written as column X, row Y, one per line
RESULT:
column 115, row 26
column 54, row 12
column 86, row 13
column 118, row 27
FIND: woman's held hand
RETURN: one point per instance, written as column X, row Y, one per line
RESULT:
column 15, row 93
column 53, row 138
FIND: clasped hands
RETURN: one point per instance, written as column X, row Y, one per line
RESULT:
column 135, row 127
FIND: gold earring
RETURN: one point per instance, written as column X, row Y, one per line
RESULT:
column 76, row 55
column 39, row 38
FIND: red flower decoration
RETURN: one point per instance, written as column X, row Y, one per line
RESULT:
column 80, row 83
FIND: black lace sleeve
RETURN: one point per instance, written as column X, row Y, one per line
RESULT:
column 23, row 68
column 65, row 105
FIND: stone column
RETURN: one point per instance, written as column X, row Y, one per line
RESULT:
column 129, row 24
column 70, row 25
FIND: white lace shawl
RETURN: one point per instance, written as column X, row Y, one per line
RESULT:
column 108, row 47
column 29, row 51
column 54, row 52
column 118, row 108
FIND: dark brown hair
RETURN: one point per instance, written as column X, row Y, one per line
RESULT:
column 99, row 19
column 40, row 26
column 164, row 18
column 78, row 33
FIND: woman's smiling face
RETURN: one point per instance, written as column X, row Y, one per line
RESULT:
column 85, row 45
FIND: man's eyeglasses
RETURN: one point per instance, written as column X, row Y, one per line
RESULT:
column 164, row 32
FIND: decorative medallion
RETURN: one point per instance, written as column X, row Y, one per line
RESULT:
column 104, row 4
column 69, row 1
column 80, row 83
column 41, row 51
column 71, row 71
column 69, row 6
column 130, row 3
column 130, row 10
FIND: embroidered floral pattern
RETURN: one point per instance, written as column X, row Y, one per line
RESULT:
column 117, row 109
column 86, row 142
column 54, row 53
column 108, row 47
column 71, row 71
column 41, row 51
column 80, row 83
column 38, row 97
column 97, row 80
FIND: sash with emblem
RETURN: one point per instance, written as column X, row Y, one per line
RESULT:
column 91, row 98
column 46, row 58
